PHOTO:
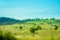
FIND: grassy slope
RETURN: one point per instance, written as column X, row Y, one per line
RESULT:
column 47, row 32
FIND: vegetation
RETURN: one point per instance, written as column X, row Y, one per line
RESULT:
column 21, row 27
column 32, row 29
column 38, row 28
column 6, row 36
column 56, row 27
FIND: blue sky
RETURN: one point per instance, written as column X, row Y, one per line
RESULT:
column 24, row 9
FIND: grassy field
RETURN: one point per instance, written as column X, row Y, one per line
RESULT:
column 32, row 30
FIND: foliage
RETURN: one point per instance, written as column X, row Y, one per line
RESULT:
column 21, row 27
column 32, row 30
column 38, row 28
column 56, row 27
column 41, row 29
column 6, row 36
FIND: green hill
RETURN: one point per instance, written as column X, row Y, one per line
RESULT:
column 6, row 20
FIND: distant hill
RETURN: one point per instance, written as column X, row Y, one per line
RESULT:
column 6, row 20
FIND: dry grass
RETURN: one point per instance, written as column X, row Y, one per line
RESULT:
column 47, row 32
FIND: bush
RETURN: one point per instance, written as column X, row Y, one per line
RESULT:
column 56, row 27
column 21, row 27
column 38, row 28
column 32, row 30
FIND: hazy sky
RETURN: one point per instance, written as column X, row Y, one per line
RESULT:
column 23, row 9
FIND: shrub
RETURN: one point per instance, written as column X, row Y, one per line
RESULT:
column 38, row 28
column 56, row 27
column 21, row 27
column 32, row 30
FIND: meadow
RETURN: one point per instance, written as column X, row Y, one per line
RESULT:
column 43, row 29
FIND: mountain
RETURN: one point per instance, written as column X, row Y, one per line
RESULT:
column 6, row 20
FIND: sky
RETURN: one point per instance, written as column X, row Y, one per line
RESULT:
column 25, row 9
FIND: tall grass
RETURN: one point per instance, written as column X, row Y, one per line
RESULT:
column 6, row 36
column 40, row 32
